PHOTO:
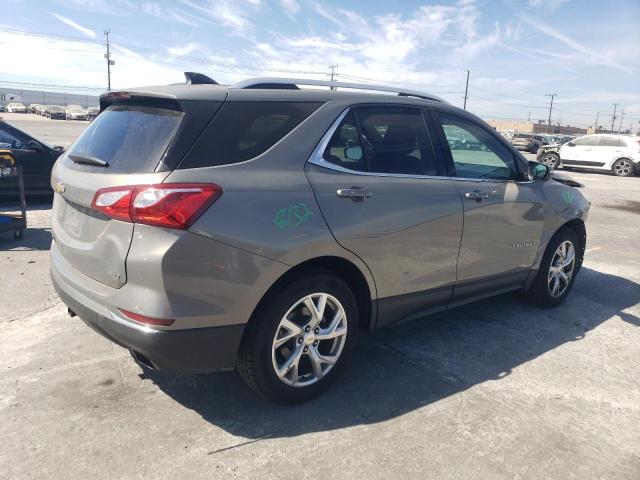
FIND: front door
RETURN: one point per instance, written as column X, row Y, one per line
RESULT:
column 503, row 216
column 386, row 199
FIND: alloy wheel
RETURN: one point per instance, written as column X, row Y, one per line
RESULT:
column 309, row 340
column 561, row 269
column 622, row 168
column 550, row 160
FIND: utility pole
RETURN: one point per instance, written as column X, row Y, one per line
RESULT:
column 333, row 72
column 595, row 125
column 108, row 57
column 621, row 117
column 552, row 95
column 529, row 117
column 613, row 118
column 466, row 91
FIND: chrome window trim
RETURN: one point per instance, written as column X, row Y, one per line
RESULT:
column 317, row 159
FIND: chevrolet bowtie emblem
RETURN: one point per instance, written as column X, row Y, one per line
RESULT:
column 59, row 187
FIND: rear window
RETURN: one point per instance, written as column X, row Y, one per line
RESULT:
column 129, row 138
column 244, row 130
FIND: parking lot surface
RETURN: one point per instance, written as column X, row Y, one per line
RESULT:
column 496, row 389
column 54, row 132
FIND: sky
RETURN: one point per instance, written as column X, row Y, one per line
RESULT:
column 517, row 51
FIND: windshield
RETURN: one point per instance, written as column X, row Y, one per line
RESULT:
column 129, row 138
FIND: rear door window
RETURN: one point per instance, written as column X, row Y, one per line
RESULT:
column 129, row 138
column 383, row 139
column 244, row 130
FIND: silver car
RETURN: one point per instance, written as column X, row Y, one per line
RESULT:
column 261, row 225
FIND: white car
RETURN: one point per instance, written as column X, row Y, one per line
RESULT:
column 16, row 107
column 617, row 153
column 75, row 113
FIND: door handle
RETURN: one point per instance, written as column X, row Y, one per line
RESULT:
column 357, row 194
column 476, row 195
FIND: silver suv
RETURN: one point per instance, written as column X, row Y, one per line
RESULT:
column 261, row 225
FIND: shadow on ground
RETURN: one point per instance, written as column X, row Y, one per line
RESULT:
column 34, row 239
column 400, row 369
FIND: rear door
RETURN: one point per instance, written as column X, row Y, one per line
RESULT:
column 132, row 139
column 503, row 216
column 386, row 199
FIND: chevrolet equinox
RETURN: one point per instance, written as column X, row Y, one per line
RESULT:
column 260, row 225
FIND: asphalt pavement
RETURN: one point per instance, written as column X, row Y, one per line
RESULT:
column 496, row 389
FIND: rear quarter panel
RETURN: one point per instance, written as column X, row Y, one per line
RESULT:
column 268, row 207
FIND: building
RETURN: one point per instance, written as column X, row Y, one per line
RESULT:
column 46, row 98
column 540, row 126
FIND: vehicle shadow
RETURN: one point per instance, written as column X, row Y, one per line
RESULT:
column 34, row 239
column 403, row 368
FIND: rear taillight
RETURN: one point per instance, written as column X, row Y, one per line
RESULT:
column 171, row 205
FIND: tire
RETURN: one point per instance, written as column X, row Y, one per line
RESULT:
column 551, row 159
column 259, row 358
column 541, row 292
column 623, row 167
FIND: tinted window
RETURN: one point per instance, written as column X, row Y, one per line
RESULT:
column 128, row 138
column 244, row 130
column 475, row 152
column 9, row 140
column 392, row 140
column 589, row 140
column 611, row 142
column 345, row 149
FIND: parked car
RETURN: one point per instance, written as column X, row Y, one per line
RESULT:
column 54, row 111
column 16, row 107
column 35, row 156
column 2, row 108
column 261, row 224
column 526, row 141
column 92, row 112
column 619, row 154
column 73, row 113
column 32, row 108
column 549, row 154
column 40, row 110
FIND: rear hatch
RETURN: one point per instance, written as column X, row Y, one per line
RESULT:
column 135, row 140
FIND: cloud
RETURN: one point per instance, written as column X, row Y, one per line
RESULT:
column 88, row 32
column 291, row 7
column 549, row 6
column 229, row 13
column 70, row 62
column 182, row 50
column 581, row 52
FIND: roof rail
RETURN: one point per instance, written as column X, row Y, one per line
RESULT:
column 292, row 83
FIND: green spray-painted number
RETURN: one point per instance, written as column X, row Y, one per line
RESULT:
column 292, row 216
column 567, row 197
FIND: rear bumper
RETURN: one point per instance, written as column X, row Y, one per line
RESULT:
column 184, row 351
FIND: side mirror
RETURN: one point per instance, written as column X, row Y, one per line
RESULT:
column 539, row 171
column 353, row 153
column 571, row 144
column 33, row 145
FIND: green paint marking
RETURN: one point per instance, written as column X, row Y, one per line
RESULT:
column 292, row 216
column 567, row 197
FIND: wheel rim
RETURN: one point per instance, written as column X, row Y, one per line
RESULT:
column 622, row 167
column 561, row 269
column 550, row 160
column 309, row 340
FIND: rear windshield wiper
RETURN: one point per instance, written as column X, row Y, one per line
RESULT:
column 88, row 160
